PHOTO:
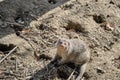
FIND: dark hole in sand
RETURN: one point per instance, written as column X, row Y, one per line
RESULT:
column 75, row 27
column 99, row 18
column 52, row 1
column 6, row 47
column 45, row 57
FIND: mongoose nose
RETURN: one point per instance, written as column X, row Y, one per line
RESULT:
column 60, row 42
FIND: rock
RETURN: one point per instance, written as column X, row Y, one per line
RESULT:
column 100, row 71
column 110, row 26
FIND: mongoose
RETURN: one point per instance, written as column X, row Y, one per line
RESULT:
column 72, row 50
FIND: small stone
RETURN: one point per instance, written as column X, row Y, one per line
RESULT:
column 101, row 71
column 108, row 26
column 12, row 58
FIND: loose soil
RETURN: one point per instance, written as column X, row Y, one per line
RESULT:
column 35, row 25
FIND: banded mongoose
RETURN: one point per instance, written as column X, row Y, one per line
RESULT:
column 72, row 50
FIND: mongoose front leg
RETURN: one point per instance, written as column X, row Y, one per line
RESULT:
column 56, row 60
column 81, row 71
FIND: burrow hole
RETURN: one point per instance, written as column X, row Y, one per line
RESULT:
column 52, row 1
column 74, row 26
column 99, row 18
column 6, row 47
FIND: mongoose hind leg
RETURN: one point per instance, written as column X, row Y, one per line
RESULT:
column 81, row 71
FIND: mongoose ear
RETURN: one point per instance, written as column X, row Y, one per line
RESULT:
column 57, row 42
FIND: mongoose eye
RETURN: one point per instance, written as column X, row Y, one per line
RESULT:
column 65, row 44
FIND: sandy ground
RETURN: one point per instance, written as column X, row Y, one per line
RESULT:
column 97, row 22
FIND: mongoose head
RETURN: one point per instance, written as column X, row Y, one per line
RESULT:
column 62, row 44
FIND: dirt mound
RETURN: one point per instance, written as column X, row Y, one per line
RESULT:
column 35, row 25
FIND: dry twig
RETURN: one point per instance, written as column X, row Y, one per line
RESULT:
column 16, row 64
column 71, row 74
column 8, row 54
column 15, row 24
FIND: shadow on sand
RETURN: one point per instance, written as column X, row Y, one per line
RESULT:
column 50, row 73
column 18, row 14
